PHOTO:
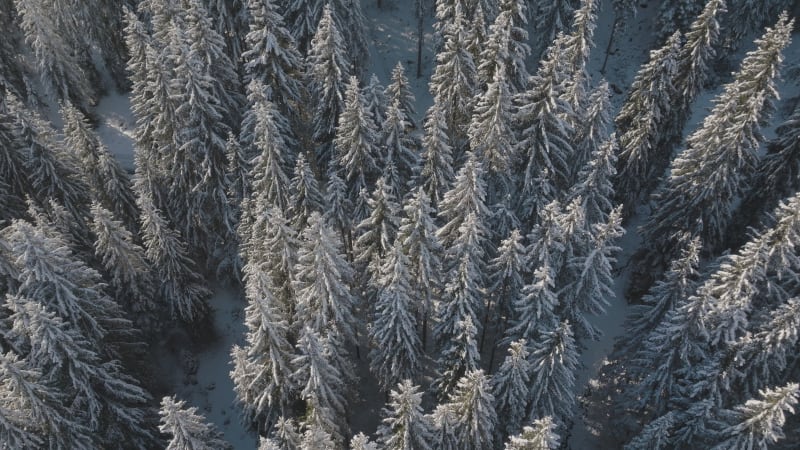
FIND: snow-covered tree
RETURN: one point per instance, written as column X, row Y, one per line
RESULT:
column 554, row 358
column 417, row 236
column 453, row 82
column 545, row 138
column 758, row 423
column 472, row 405
column 397, row 352
column 305, row 196
column 106, row 400
column 678, row 283
column 302, row 17
column 507, row 272
column 338, row 207
column 356, row 142
column 124, row 260
column 512, row 390
column 323, row 297
column 404, row 426
column 594, row 184
column 705, row 178
column 322, row 387
column 109, row 183
column 327, row 67
column 261, row 371
column 458, row 356
column 437, row 156
column 576, row 47
column 655, row 436
column 375, row 97
column 59, row 58
column 534, row 311
column 32, row 411
column 549, row 18
column 181, row 286
column 541, row 435
column 594, row 127
column 695, row 59
column 400, row 146
column 644, row 124
column 506, row 46
column 271, row 55
column 187, row 429
column 273, row 157
column 399, row 91
column 362, row 442
column 489, row 132
column 377, row 232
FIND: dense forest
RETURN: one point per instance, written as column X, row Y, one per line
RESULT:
column 448, row 265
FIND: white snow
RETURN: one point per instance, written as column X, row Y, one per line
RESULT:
column 116, row 127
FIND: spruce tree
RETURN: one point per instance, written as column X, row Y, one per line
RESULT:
column 534, row 311
column 187, row 429
column 507, row 272
column 271, row 55
column 550, row 17
column 594, row 127
column 472, row 404
column 321, row 386
column 511, row 384
column 400, row 147
column 453, row 82
column 721, row 153
column 302, row 17
column 397, row 351
column 436, row 174
column 490, row 134
column 261, row 369
column 376, row 100
column 377, row 232
column 576, row 47
column 305, row 196
column 362, row 442
column 323, row 297
column 554, row 358
column 181, row 286
column 124, row 260
column 644, row 124
column 399, row 91
column 327, row 71
column 356, row 141
column 404, row 427
column 540, row 436
column 417, row 236
column 594, row 185
column 759, row 422
column 459, row 355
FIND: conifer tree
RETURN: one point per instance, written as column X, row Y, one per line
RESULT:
column 188, row 430
column 511, row 384
column 327, row 71
column 108, row 402
column 506, row 277
column 679, row 282
column 397, row 351
column 404, row 425
column 720, row 153
column 677, row 14
column 59, row 64
column 437, row 157
column 453, row 82
column 443, row 419
column 230, row 20
column 375, row 98
column 594, row 128
column 550, row 17
column 271, row 55
column 472, row 404
column 273, row 158
column 594, row 184
column 490, row 134
column 32, row 413
column 338, row 208
column 211, row 50
column 322, row 387
column 576, row 47
column 356, row 141
column 124, row 260
column 540, row 436
column 554, row 358
column 286, row 434
column 261, row 369
column 323, row 297
column 272, row 247
column 302, row 17
column 305, row 196
column 507, row 45
column 466, row 197
column 534, row 311
column 644, row 123
column 759, row 422
column 417, row 235
column 459, row 355
column 655, row 436
column 399, row 91
column 181, row 286
column 377, row 232
column 544, row 142
column 400, row 147
column 109, row 184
